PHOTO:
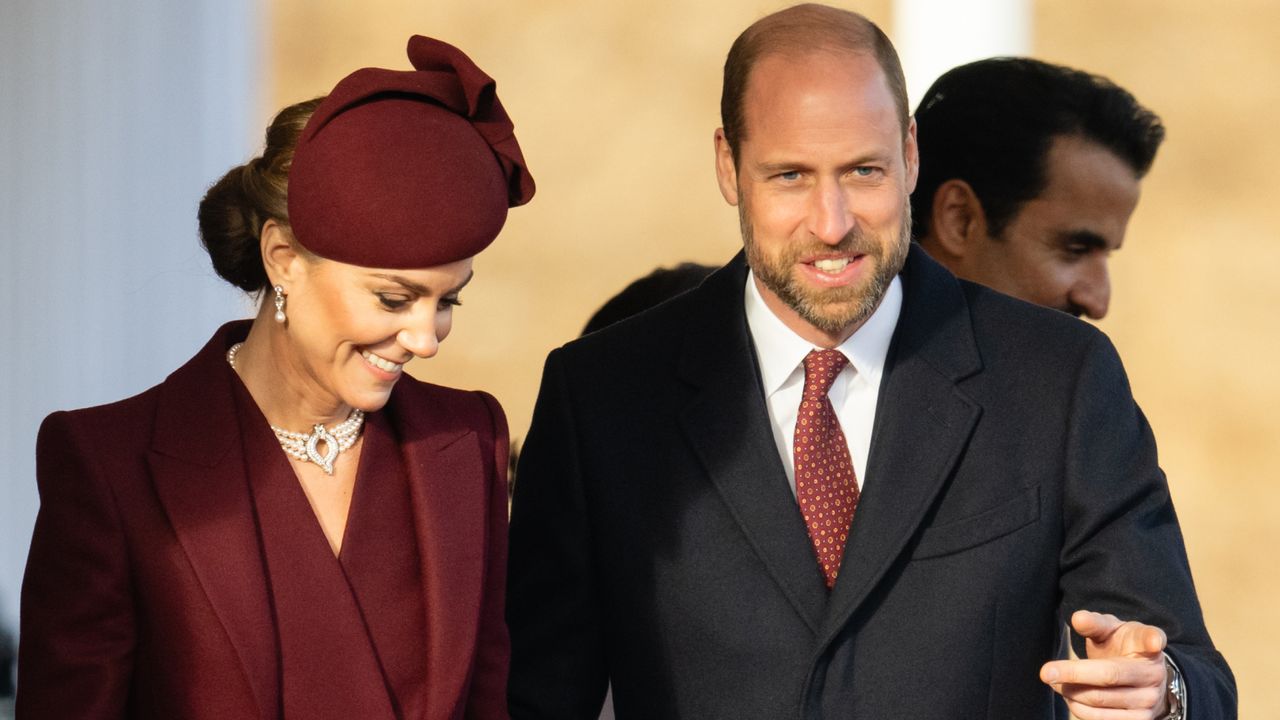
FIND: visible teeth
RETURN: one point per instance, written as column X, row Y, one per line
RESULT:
column 831, row 266
column 380, row 362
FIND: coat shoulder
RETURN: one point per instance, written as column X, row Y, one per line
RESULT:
column 1022, row 334
column 474, row 409
column 123, row 423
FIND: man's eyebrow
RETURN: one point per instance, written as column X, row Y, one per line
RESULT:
column 773, row 168
column 1087, row 238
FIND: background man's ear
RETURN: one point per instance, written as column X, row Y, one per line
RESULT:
column 958, row 222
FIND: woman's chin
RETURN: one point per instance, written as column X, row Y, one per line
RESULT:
column 369, row 400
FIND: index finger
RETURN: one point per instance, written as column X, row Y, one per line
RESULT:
column 1109, row 672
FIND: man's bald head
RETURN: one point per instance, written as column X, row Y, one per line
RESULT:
column 800, row 30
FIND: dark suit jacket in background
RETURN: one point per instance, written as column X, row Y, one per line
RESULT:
column 1012, row 479
column 145, row 594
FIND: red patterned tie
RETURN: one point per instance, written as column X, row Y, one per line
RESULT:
column 826, row 486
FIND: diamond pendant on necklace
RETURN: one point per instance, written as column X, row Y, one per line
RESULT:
column 306, row 446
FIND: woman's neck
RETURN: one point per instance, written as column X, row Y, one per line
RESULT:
column 283, row 387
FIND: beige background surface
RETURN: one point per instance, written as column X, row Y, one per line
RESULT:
column 615, row 104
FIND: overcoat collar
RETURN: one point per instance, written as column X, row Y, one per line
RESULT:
column 923, row 421
column 447, row 476
column 199, row 472
column 198, row 469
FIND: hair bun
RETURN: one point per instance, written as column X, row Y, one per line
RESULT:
column 229, row 228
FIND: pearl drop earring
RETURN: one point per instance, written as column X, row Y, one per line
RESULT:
column 280, row 317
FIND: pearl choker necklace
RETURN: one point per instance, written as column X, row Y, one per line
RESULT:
column 306, row 446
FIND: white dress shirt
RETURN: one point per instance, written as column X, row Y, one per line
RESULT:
column 855, row 391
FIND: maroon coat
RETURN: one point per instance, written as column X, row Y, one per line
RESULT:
column 145, row 594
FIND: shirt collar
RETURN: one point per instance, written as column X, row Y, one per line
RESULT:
column 780, row 351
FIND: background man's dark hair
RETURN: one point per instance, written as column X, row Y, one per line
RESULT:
column 803, row 29
column 990, row 123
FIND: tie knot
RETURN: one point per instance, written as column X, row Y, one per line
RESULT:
column 820, row 370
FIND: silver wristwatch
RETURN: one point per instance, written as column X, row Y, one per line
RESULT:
column 1176, row 691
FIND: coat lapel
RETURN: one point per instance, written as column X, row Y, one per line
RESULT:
column 728, row 425
column 923, row 424
column 199, row 472
column 445, row 465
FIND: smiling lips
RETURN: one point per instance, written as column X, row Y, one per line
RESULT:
column 831, row 265
column 381, row 363
column 834, row 271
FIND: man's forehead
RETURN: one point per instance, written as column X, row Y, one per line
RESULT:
column 840, row 92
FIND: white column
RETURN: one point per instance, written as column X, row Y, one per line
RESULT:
column 114, row 118
column 933, row 36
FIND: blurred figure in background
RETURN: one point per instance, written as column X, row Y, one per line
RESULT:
column 653, row 289
column 1028, row 175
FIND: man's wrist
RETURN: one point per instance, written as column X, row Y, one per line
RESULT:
column 1175, row 690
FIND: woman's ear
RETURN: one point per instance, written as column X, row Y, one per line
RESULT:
column 958, row 222
column 280, row 256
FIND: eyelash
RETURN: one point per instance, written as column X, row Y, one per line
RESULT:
column 391, row 303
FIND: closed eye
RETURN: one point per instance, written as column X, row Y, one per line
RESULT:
column 392, row 301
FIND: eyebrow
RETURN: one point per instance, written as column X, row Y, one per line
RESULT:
column 422, row 289
column 1087, row 238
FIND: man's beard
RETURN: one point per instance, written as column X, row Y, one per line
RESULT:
column 831, row 310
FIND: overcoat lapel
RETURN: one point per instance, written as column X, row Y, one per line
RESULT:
column 728, row 426
column 923, row 423
column 445, row 465
column 198, row 469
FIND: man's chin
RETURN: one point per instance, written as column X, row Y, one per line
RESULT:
column 834, row 318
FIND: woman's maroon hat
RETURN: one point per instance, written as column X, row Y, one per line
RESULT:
column 407, row 168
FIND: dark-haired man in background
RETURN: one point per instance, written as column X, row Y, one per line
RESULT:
column 833, row 481
column 1028, row 175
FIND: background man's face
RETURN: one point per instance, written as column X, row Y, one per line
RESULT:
column 821, row 184
column 1054, row 251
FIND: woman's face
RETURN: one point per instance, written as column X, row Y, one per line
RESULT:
column 353, row 328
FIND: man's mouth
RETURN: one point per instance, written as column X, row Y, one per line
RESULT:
column 831, row 265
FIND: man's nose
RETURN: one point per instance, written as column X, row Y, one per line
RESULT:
column 1092, row 291
column 829, row 217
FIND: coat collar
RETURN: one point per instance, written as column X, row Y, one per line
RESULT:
column 199, row 471
column 728, row 425
column 922, row 423
column 445, row 463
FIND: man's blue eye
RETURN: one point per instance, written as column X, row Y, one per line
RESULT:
column 864, row 171
column 790, row 175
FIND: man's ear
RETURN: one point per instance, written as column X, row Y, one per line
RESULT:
column 726, row 169
column 911, row 156
column 280, row 256
column 958, row 222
